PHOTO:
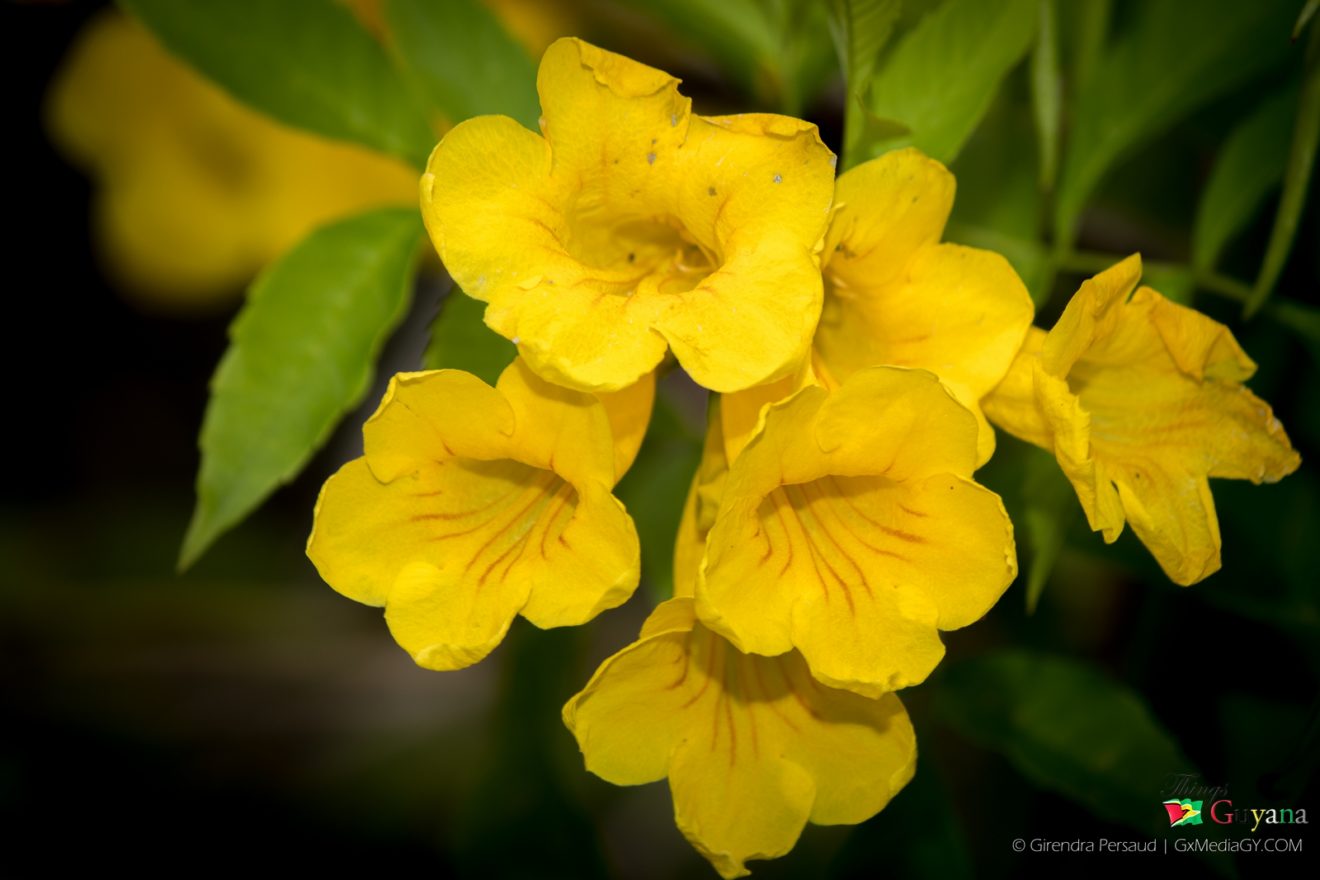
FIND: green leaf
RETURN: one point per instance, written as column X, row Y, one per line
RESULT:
column 300, row 357
column 1174, row 280
column 460, row 340
column 1300, row 318
column 778, row 50
column 1049, row 508
column 305, row 62
column 1249, row 166
column 1173, row 58
column 940, row 79
column 1084, row 27
column 860, row 29
column 464, row 59
column 655, row 488
column 1296, row 180
column 1047, row 93
column 1069, row 728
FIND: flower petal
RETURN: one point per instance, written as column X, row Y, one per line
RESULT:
column 959, row 312
column 850, row 530
column 872, row 422
column 1174, row 516
column 591, row 564
column 1012, row 405
column 556, row 428
column 474, row 504
column 414, row 425
column 754, row 189
column 629, row 413
column 633, row 225
column 885, row 210
column 1093, row 312
column 753, row 746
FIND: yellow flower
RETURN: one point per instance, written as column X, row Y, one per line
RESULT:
column 195, row 193
column 895, row 295
column 475, row 504
column 1141, row 400
column 634, row 226
column 850, row 529
column 753, row 747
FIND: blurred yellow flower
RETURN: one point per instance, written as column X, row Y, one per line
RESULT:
column 753, row 747
column 1141, row 400
column 850, row 529
column 634, row 226
column 475, row 504
column 895, row 295
column 195, row 192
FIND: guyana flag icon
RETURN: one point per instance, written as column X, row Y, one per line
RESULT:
column 1183, row 812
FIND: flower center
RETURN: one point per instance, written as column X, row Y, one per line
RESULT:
column 637, row 254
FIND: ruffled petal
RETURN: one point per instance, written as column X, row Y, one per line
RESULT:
column 473, row 504
column 590, row 563
column 959, row 312
column 1141, row 400
column 634, row 226
column 753, row 746
column 1012, row 405
column 629, row 413
column 849, row 530
column 1093, row 312
column 689, row 546
column 885, row 211
column 556, row 428
column 415, row 424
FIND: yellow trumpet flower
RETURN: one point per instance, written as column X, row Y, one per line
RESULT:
column 634, row 226
column 895, row 295
column 1141, row 401
column 850, row 529
column 753, row 747
column 475, row 504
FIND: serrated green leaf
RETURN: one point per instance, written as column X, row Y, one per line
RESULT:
column 460, row 340
column 942, row 76
column 1173, row 58
column 300, row 357
column 1047, row 93
column 1069, row 728
column 305, row 62
column 1296, row 180
column 1249, row 166
column 464, row 59
column 860, row 29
